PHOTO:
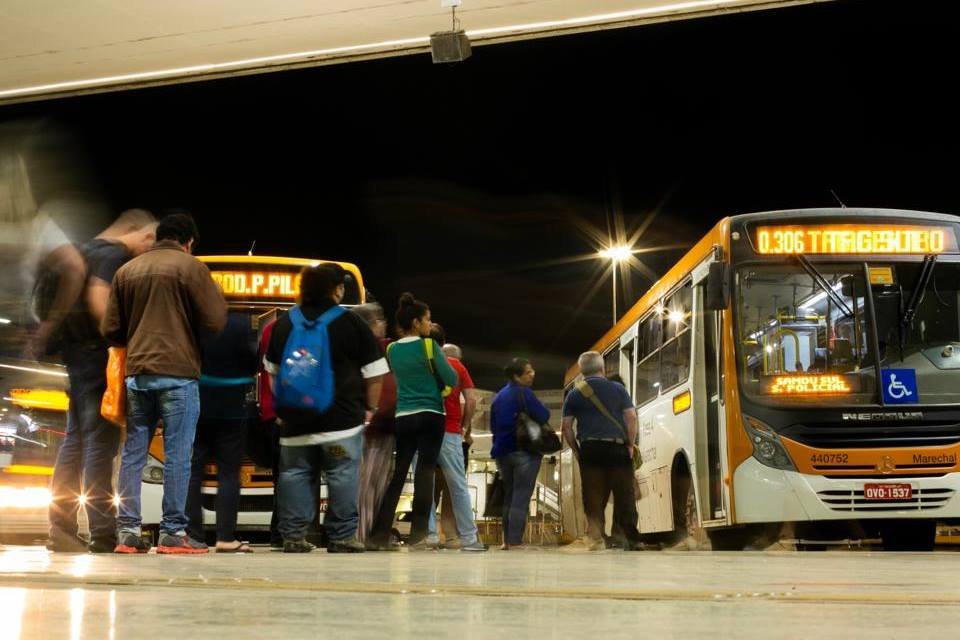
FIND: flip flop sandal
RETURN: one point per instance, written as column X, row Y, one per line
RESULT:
column 243, row 547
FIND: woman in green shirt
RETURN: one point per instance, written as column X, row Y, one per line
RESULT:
column 422, row 374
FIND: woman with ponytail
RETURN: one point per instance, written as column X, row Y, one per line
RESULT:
column 422, row 373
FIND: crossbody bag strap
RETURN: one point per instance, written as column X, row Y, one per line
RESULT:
column 587, row 391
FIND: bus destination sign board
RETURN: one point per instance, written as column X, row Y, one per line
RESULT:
column 846, row 239
column 273, row 285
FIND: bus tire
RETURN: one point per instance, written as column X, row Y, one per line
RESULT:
column 909, row 535
column 688, row 533
column 729, row 539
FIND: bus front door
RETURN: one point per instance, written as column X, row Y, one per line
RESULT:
column 709, row 418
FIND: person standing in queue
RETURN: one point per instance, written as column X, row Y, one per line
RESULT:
column 225, row 415
column 606, row 428
column 458, row 518
column 422, row 371
column 518, row 468
column 84, row 463
column 161, row 305
column 378, row 436
column 330, row 441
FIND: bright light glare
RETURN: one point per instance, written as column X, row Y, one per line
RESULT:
column 617, row 254
column 25, row 497
column 676, row 317
column 4, row 321
column 116, row 501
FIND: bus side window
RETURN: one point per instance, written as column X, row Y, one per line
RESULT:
column 675, row 356
column 647, row 379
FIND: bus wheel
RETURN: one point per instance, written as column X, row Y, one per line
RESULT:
column 909, row 535
column 688, row 532
column 730, row 539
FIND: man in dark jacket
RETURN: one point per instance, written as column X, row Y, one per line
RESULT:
column 161, row 305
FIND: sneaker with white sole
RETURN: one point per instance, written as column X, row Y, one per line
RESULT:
column 180, row 543
column 474, row 546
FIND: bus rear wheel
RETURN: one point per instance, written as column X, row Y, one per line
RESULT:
column 909, row 535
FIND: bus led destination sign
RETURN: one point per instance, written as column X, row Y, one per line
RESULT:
column 258, row 284
column 797, row 385
column 855, row 239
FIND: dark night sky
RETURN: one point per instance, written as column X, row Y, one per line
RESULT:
column 456, row 182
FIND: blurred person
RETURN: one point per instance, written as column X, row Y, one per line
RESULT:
column 419, row 421
column 329, row 442
column 84, row 464
column 606, row 428
column 518, row 468
column 457, row 512
column 378, row 437
column 225, row 415
column 161, row 305
column 268, row 423
column 32, row 243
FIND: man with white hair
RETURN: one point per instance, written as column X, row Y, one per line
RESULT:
column 606, row 430
column 451, row 459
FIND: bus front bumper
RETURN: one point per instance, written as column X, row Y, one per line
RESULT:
column 764, row 494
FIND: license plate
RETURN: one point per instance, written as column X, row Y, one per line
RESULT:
column 890, row 492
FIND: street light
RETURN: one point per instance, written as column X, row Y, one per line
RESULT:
column 616, row 254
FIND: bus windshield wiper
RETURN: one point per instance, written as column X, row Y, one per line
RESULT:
column 916, row 296
column 822, row 282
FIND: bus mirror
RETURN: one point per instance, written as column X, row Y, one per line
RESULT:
column 718, row 287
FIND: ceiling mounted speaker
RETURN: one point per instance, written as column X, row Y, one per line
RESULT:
column 449, row 46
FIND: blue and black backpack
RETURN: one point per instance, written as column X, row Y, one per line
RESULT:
column 306, row 372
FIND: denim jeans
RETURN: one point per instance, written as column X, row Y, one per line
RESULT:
column 223, row 441
column 179, row 408
column 300, row 468
column 518, row 470
column 450, row 462
column 418, row 434
column 85, row 460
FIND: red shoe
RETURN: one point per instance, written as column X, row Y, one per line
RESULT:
column 131, row 543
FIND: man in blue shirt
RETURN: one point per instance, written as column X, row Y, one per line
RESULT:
column 606, row 430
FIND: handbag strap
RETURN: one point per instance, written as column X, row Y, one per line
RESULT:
column 587, row 392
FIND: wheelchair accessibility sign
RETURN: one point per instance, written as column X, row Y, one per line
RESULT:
column 900, row 386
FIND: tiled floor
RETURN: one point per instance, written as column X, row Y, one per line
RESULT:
column 448, row 594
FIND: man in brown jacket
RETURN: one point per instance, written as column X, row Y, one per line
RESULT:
column 162, row 303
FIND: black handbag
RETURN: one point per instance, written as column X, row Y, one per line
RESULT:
column 533, row 437
column 493, row 508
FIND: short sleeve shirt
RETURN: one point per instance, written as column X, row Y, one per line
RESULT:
column 591, row 423
column 355, row 355
column 103, row 259
column 451, row 403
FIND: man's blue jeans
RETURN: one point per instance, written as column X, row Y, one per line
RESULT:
column 300, row 468
column 451, row 463
column 179, row 408
column 518, row 470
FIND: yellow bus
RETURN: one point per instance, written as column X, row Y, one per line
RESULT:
column 798, row 367
column 259, row 287
column 34, row 402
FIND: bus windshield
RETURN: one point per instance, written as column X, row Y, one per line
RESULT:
column 806, row 336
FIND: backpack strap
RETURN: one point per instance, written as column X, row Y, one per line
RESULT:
column 296, row 316
column 587, row 392
column 331, row 314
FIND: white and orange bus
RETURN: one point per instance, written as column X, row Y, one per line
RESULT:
column 797, row 367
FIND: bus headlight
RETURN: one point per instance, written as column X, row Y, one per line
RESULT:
column 767, row 448
column 153, row 471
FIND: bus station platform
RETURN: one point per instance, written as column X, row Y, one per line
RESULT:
column 542, row 592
